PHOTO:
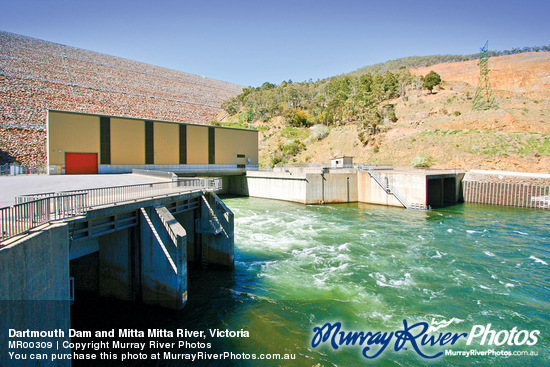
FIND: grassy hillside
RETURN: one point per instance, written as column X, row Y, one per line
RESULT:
column 437, row 129
column 414, row 62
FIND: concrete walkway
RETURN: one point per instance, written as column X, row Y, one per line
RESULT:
column 12, row 186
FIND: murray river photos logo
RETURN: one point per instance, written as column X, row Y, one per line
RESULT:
column 424, row 339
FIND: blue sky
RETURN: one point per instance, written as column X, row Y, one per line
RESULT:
column 250, row 42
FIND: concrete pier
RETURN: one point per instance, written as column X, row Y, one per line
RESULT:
column 34, row 282
column 142, row 249
column 163, row 253
column 216, row 226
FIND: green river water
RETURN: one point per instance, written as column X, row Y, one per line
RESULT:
column 369, row 268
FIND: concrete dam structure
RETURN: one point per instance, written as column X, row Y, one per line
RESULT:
column 408, row 188
column 127, row 242
column 135, row 242
column 401, row 187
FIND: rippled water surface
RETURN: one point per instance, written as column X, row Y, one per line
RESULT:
column 371, row 267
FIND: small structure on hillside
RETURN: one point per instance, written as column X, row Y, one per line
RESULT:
column 341, row 161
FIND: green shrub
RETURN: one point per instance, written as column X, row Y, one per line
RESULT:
column 319, row 132
column 391, row 114
column 275, row 160
column 298, row 118
column 431, row 80
column 290, row 132
column 291, row 148
column 422, row 161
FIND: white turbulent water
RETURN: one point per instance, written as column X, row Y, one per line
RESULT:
column 371, row 267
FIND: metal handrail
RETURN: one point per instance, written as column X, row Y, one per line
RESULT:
column 218, row 216
column 399, row 197
column 364, row 167
column 22, row 217
column 116, row 194
column 31, row 211
column 18, row 169
column 389, row 189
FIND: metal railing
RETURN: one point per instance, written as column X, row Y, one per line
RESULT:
column 208, row 183
column 31, row 211
column 389, row 189
column 18, row 169
column 365, row 167
column 116, row 194
column 22, row 217
column 314, row 166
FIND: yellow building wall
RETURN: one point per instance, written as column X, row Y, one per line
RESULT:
column 197, row 144
column 127, row 141
column 229, row 143
column 68, row 132
column 71, row 132
column 166, row 141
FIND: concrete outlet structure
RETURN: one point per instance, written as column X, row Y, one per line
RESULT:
column 408, row 188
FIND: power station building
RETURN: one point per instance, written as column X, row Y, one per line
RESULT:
column 79, row 143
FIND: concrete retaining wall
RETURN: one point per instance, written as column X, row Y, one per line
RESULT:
column 274, row 185
column 299, row 187
column 419, row 188
column 369, row 191
column 331, row 188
